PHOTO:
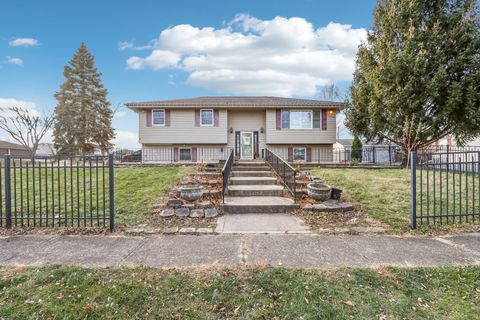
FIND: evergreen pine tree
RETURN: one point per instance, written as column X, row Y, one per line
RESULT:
column 83, row 118
column 357, row 149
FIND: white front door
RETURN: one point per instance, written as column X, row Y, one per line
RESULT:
column 246, row 145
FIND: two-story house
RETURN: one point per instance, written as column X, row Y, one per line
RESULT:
column 206, row 129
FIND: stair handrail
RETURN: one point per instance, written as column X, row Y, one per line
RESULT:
column 283, row 170
column 226, row 170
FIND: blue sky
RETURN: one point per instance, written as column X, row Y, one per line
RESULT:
column 207, row 48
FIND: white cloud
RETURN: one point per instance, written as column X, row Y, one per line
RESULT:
column 13, row 60
column 126, row 139
column 24, row 42
column 124, row 45
column 6, row 103
column 282, row 56
column 128, row 45
column 158, row 59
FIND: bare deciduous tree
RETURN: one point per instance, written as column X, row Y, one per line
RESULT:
column 330, row 92
column 26, row 128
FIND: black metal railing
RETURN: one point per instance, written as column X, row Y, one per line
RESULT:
column 283, row 170
column 445, row 187
column 227, row 169
column 53, row 191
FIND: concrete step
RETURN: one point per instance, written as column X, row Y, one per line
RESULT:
column 258, row 205
column 255, row 191
column 251, row 173
column 253, row 181
column 250, row 163
column 251, row 168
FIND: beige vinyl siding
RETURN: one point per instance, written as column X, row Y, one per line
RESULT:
column 304, row 136
column 246, row 120
column 163, row 154
column 182, row 129
column 320, row 153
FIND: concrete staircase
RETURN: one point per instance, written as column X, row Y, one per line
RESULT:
column 253, row 188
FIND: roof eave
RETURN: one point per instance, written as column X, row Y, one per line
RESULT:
column 133, row 106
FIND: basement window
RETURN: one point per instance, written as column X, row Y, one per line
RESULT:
column 185, row 154
column 299, row 154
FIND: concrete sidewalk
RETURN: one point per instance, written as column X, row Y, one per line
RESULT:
column 299, row 250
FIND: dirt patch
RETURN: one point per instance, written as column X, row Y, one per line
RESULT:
column 321, row 220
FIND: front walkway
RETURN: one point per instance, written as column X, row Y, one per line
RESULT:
column 299, row 250
column 269, row 223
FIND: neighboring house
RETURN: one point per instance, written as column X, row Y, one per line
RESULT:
column 13, row 149
column 208, row 128
column 450, row 142
column 45, row 150
column 371, row 152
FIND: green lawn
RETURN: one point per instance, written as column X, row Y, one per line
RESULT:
column 385, row 195
column 259, row 293
column 137, row 189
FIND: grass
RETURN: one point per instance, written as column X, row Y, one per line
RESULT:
column 383, row 194
column 138, row 189
column 248, row 293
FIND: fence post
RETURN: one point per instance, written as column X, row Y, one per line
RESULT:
column 390, row 154
column 112, row 194
column 413, row 166
column 8, row 193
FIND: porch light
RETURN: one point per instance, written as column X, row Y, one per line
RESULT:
column 231, row 130
column 331, row 112
column 261, row 130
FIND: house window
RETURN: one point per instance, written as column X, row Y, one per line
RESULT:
column 158, row 117
column 185, row 154
column 299, row 154
column 206, row 117
column 300, row 119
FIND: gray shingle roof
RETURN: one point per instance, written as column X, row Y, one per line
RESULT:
column 9, row 145
column 236, row 101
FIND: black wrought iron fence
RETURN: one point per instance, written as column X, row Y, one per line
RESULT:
column 47, row 192
column 226, row 171
column 127, row 155
column 445, row 187
column 283, row 170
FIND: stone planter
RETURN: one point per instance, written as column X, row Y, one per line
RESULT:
column 191, row 193
column 318, row 191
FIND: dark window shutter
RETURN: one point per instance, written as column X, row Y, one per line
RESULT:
column 197, row 118
column 149, row 118
column 309, row 154
column 324, row 119
column 316, row 119
column 175, row 154
column 237, row 143
column 290, row 154
column 216, row 117
column 167, row 118
column 278, row 119
column 194, row 154
column 255, row 144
